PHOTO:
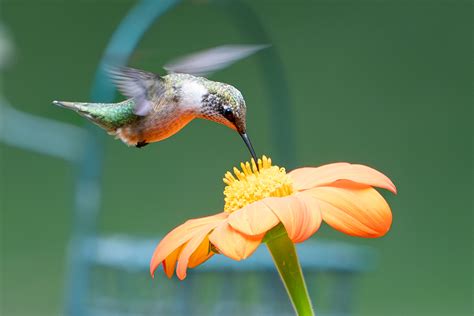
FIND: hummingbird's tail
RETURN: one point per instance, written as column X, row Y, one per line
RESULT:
column 75, row 106
column 109, row 116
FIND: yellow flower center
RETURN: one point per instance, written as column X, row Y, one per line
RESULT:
column 252, row 184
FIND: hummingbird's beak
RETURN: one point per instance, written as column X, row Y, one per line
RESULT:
column 249, row 146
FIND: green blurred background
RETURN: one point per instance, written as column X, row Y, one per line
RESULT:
column 384, row 83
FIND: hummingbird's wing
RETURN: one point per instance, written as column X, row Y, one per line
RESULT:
column 205, row 62
column 143, row 86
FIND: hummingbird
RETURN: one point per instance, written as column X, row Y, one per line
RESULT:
column 158, row 107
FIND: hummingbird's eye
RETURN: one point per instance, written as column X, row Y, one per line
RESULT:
column 228, row 114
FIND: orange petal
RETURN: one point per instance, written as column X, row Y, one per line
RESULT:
column 202, row 253
column 232, row 243
column 179, row 236
column 170, row 262
column 190, row 248
column 299, row 214
column 354, row 209
column 313, row 217
column 307, row 178
column 254, row 219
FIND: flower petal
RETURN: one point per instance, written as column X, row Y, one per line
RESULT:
column 307, row 178
column 170, row 262
column 298, row 213
column 232, row 243
column 254, row 219
column 202, row 253
column 354, row 209
column 190, row 248
column 313, row 217
column 179, row 236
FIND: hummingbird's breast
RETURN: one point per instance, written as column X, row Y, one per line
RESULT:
column 175, row 109
column 156, row 126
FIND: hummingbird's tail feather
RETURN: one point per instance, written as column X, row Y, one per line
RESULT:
column 82, row 108
column 75, row 106
column 109, row 116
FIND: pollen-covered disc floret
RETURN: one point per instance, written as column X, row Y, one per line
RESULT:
column 253, row 184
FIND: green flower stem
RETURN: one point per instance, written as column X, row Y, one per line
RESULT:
column 286, row 261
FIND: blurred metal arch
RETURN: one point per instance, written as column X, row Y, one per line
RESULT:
column 121, row 45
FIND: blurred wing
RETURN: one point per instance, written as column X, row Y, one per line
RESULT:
column 143, row 86
column 205, row 62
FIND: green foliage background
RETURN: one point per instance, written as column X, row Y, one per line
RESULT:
column 384, row 83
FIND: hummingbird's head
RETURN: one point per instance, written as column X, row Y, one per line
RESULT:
column 225, row 104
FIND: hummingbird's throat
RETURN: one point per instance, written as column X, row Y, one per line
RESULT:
column 252, row 184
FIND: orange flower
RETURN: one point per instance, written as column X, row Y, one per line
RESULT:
column 257, row 200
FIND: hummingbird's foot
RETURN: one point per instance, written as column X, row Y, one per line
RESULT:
column 141, row 144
